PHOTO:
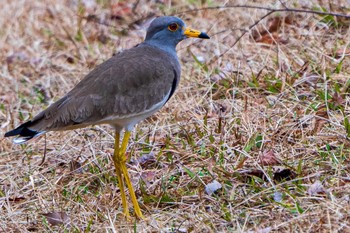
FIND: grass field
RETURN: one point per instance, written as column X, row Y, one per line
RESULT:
column 267, row 118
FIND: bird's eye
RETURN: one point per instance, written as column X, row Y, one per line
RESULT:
column 173, row 27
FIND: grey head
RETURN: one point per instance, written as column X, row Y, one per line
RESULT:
column 167, row 31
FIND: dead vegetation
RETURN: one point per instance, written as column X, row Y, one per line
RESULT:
column 256, row 138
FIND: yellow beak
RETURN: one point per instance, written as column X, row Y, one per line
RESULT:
column 194, row 33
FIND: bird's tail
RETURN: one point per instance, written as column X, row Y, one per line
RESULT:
column 23, row 133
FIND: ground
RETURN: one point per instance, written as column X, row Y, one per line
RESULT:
column 256, row 138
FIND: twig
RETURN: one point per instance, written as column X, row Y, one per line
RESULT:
column 240, row 37
column 43, row 160
column 271, row 10
column 286, row 9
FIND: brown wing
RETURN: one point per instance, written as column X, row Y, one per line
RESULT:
column 128, row 83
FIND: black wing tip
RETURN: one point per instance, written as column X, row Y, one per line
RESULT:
column 14, row 132
column 22, row 131
column 10, row 134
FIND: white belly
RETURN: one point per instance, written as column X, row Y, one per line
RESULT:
column 128, row 122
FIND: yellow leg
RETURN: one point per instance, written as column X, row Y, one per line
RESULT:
column 117, row 165
column 126, row 175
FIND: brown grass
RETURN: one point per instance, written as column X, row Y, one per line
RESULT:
column 267, row 120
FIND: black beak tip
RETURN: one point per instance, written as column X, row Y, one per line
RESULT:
column 203, row 36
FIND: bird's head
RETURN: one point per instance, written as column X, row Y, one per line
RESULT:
column 169, row 31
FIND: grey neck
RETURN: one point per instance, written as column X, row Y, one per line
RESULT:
column 170, row 49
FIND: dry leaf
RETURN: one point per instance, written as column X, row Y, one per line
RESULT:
column 145, row 160
column 273, row 38
column 75, row 166
column 322, row 112
column 268, row 158
column 277, row 196
column 273, row 26
column 121, row 10
column 271, row 34
column 337, row 100
column 322, row 115
column 309, row 79
column 263, row 230
column 241, row 163
column 148, row 177
column 341, row 52
column 57, row 218
column 90, row 5
column 316, row 188
column 212, row 187
column 17, row 56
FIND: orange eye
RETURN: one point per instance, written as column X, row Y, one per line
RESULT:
column 173, row 27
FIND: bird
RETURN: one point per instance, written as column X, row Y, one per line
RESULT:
column 122, row 91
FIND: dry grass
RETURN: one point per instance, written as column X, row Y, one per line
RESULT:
column 266, row 106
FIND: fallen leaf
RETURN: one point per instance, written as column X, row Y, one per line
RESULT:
column 263, row 230
column 277, row 196
column 57, row 218
column 145, row 160
column 17, row 56
column 241, row 163
column 322, row 112
column 321, row 116
column 90, row 5
column 225, row 73
column 121, row 10
column 337, row 100
column 75, row 166
column 272, row 38
column 273, row 26
column 309, row 79
column 268, row 158
column 148, row 177
column 275, row 23
column 212, row 187
column 341, row 53
column 316, row 188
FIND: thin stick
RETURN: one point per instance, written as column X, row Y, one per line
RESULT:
column 286, row 9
